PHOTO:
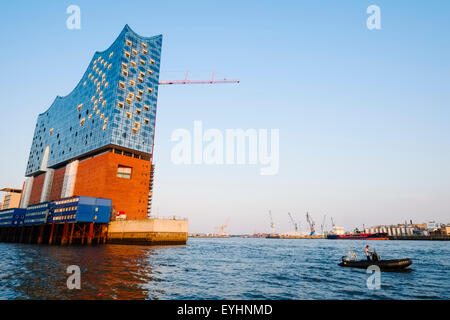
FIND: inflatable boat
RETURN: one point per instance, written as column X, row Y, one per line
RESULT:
column 395, row 264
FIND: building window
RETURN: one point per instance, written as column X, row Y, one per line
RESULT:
column 144, row 45
column 121, row 84
column 138, row 111
column 150, row 71
column 133, row 63
column 134, row 51
column 146, row 107
column 124, row 172
column 128, row 42
column 142, row 61
column 149, row 90
column 111, row 54
column 120, row 104
column 152, row 61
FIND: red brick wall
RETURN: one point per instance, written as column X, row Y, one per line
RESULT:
column 97, row 177
column 36, row 191
column 57, row 184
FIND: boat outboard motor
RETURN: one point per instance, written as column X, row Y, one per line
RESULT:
column 375, row 256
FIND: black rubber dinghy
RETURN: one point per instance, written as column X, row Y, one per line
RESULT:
column 396, row 264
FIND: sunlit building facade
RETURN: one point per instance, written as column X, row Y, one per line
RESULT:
column 98, row 140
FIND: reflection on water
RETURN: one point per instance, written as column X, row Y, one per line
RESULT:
column 107, row 272
column 221, row 269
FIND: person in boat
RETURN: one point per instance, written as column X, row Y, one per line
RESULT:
column 368, row 253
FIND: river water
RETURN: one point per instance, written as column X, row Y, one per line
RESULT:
column 233, row 268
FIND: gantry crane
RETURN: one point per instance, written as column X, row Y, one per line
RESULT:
column 272, row 225
column 186, row 81
column 223, row 228
column 322, row 226
column 293, row 222
column 311, row 223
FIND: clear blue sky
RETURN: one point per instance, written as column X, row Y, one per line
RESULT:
column 363, row 115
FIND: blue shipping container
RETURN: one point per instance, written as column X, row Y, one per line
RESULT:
column 12, row 217
column 37, row 214
column 81, row 209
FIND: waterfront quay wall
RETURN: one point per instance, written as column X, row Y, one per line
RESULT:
column 153, row 231
column 417, row 237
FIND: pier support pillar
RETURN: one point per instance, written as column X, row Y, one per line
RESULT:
column 51, row 233
column 71, row 233
column 91, row 233
column 65, row 233
column 22, row 231
column 83, row 234
column 41, row 234
column 30, row 236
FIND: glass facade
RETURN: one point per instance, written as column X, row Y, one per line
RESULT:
column 113, row 104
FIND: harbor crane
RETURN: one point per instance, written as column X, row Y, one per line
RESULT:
column 272, row 225
column 311, row 223
column 223, row 228
column 322, row 226
column 293, row 222
column 186, row 81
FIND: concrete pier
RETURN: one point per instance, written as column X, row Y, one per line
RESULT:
column 148, row 232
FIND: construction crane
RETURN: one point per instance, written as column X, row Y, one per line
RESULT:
column 223, row 228
column 332, row 222
column 322, row 226
column 272, row 225
column 293, row 222
column 186, row 81
column 311, row 223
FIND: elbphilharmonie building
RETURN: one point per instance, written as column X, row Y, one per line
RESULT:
column 98, row 140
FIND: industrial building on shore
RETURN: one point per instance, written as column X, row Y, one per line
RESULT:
column 412, row 230
column 98, row 142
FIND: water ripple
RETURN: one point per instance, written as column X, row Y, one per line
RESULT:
column 221, row 269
